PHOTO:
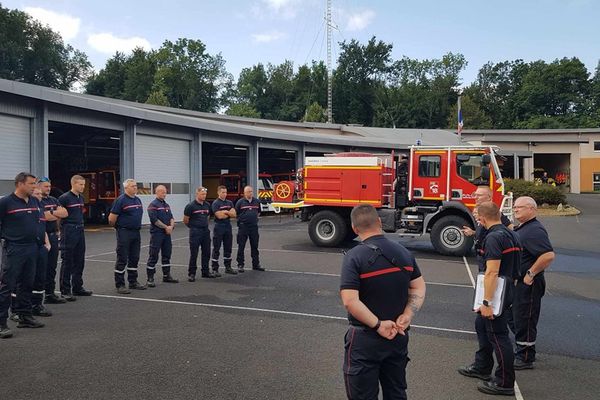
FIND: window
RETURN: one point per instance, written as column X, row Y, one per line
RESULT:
column 231, row 183
column 468, row 166
column 429, row 166
column 596, row 181
column 180, row 188
column 264, row 184
column 596, row 146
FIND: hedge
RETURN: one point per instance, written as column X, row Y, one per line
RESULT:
column 541, row 193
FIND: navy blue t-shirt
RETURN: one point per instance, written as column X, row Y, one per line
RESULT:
column 74, row 205
column 480, row 234
column 159, row 210
column 222, row 205
column 20, row 220
column 50, row 204
column 503, row 244
column 247, row 211
column 382, row 286
column 536, row 242
column 198, row 214
column 129, row 210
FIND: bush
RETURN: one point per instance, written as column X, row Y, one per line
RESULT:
column 541, row 193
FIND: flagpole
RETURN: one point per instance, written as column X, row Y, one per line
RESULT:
column 459, row 118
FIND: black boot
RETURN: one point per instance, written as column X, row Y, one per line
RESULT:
column 170, row 279
column 41, row 311
column 5, row 333
column 26, row 321
column 54, row 299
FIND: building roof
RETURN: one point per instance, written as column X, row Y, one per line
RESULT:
column 310, row 133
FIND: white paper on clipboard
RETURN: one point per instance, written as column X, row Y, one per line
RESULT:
column 497, row 301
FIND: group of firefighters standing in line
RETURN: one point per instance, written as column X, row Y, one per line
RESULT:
column 34, row 226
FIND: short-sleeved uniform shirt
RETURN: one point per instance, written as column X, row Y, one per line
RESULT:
column 74, row 205
column 20, row 220
column 480, row 234
column 129, row 210
column 503, row 244
column 222, row 205
column 159, row 210
column 382, row 286
column 247, row 211
column 536, row 242
column 50, row 204
column 198, row 214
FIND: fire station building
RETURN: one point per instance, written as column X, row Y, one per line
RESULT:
column 58, row 134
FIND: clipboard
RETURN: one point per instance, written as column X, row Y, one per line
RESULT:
column 497, row 300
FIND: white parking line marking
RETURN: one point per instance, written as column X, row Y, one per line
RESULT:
column 295, row 272
column 469, row 271
column 264, row 310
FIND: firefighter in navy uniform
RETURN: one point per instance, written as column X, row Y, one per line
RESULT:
column 72, row 242
column 483, row 194
column 20, row 215
column 195, row 217
column 248, row 210
column 538, row 254
column 502, row 255
column 39, row 280
column 162, row 225
column 126, row 216
column 223, row 211
column 53, row 213
column 382, row 288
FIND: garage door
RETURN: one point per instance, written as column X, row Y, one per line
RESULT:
column 163, row 161
column 15, row 136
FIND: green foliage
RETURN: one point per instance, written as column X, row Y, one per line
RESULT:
column 542, row 193
column 315, row 113
column 242, row 110
column 158, row 98
column 471, row 112
column 32, row 53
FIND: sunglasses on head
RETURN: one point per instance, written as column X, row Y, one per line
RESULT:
column 44, row 179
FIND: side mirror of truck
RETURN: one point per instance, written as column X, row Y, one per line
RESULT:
column 486, row 159
column 485, row 174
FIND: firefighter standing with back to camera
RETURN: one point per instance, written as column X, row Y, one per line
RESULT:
column 382, row 289
column 126, row 216
column 223, row 211
column 72, row 241
column 248, row 210
column 502, row 255
column 162, row 225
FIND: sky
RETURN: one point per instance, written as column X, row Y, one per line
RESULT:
column 247, row 32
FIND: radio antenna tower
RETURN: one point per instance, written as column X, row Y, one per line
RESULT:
column 329, row 73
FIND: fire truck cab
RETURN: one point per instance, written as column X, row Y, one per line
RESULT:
column 426, row 190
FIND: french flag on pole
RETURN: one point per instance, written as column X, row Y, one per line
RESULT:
column 460, row 119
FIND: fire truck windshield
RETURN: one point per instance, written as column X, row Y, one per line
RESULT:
column 265, row 184
column 468, row 166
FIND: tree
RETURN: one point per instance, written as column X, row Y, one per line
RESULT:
column 315, row 113
column 473, row 116
column 158, row 98
column 32, row 53
column 242, row 110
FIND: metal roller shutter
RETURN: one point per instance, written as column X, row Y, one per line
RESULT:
column 163, row 161
column 15, row 136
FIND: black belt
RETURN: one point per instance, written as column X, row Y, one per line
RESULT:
column 52, row 233
column 128, row 229
column 75, row 225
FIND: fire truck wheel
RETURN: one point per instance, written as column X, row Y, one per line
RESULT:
column 447, row 237
column 327, row 229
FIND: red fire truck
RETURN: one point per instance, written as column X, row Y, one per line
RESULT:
column 427, row 190
column 235, row 184
column 101, row 190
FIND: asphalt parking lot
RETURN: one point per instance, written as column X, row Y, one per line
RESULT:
column 279, row 334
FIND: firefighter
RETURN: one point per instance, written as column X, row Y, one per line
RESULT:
column 502, row 257
column 126, row 216
column 20, row 215
column 248, row 210
column 162, row 225
column 537, row 255
column 223, row 211
column 381, row 300
column 39, row 280
column 195, row 217
column 72, row 241
column 482, row 194
column 53, row 212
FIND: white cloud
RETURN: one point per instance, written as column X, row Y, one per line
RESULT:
column 109, row 44
column 66, row 25
column 287, row 9
column 360, row 20
column 267, row 37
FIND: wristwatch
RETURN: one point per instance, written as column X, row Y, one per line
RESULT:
column 377, row 325
column 487, row 303
column 530, row 274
